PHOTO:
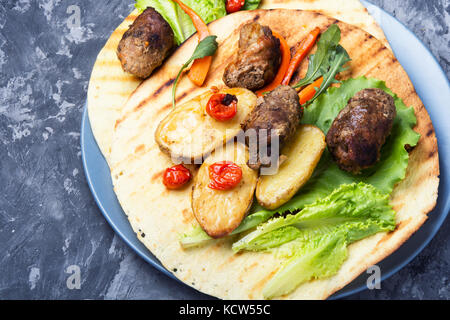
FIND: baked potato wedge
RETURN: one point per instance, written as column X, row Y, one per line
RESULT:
column 189, row 133
column 302, row 153
column 220, row 212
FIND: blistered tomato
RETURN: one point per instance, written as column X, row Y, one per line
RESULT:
column 224, row 175
column 176, row 177
column 234, row 5
column 222, row 107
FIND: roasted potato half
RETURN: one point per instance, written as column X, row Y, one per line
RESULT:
column 302, row 153
column 189, row 133
column 220, row 212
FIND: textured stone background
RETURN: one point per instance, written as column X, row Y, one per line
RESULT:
column 48, row 218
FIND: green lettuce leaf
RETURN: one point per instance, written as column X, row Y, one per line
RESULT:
column 181, row 24
column 315, row 239
column 358, row 209
column 319, row 258
column 251, row 4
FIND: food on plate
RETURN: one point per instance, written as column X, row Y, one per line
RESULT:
column 279, row 113
column 335, row 225
column 302, row 154
column 110, row 86
column 257, row 61
column 360, row 130
column 223, row 190
column 189, row 133
column 146, row 44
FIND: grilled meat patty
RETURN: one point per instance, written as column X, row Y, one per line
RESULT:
column 279, row 112
column 146, row 44
column 258, row 59
column 360, row 130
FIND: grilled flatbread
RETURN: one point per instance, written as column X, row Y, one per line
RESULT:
column 137, row 165
column 110, row 86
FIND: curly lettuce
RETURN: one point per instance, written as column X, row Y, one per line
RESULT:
column 315, row 240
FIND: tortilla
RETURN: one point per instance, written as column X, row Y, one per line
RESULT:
column 110, row 86
column 158, row 215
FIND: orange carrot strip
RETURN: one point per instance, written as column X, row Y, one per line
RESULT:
column 309, row 92
column 200, row 67
column 285, row 59
column 303, row 49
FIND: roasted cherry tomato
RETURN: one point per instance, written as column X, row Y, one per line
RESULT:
column 224, row 175
column 176, row 177
column 222, row 107
column 234, row 5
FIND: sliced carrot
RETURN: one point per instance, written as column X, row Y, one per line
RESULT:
column 303, row 49
column 309, row 91
column 200, row 67
column 285, row 59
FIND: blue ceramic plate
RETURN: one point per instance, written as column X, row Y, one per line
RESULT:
column 433, row 88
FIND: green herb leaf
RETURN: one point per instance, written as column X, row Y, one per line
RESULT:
column 319, row 63
column 205, row 48
column 327, row 62
column 339, row 59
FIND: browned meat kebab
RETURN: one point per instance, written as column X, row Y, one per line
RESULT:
column 360, row 130
column 258, row 59
column 146, row 44
column 279, row 112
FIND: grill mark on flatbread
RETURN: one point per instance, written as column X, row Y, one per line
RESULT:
column 139, row 149
column 164, row 86
column 256, row 18
column 188, row 217
column 432, row 153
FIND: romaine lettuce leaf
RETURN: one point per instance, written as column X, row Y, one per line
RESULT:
column 358, row 209
column 315, row 239
column 181, row 24
column 319, row 258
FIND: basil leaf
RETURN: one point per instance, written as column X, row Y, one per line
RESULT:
column 205, row 48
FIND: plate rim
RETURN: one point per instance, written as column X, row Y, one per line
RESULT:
column 339, row 294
